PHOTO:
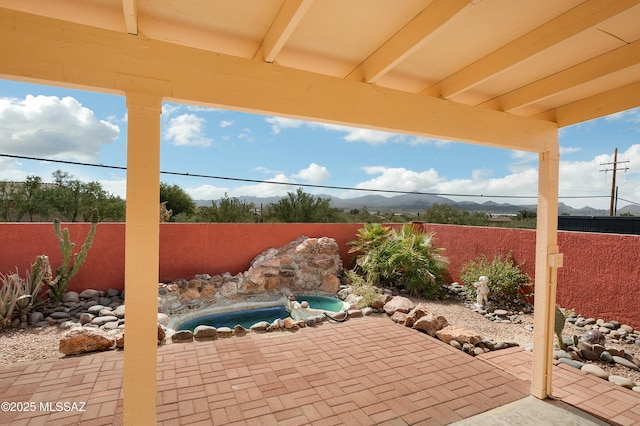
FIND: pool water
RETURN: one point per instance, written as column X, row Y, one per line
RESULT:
column 250, row 317
column 322, row 302
column 243, row 318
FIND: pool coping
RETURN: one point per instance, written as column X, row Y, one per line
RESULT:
column 176, row 320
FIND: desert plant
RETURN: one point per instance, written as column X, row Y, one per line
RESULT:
column 362, row 288
column 19, row 296
column 68, row 269
column 8, row 299
column 558, row 326
column 406, row 259
column 505, row 277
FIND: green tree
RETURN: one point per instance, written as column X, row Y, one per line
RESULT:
column 444, row 213
column 113, row 208
column 227, row 210
column 178, row 201
column 74, row 200
column 300, row 207
column 6, row 199
column 65, row 195
column 526, row 214
column 29, row 198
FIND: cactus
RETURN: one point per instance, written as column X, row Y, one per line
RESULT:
column 67, row 270
column 8, row 299
column 559, row 326
column 19, row 296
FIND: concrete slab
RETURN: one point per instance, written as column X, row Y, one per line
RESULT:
column 533, row 411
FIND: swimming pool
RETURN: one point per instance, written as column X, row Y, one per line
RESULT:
column 247, row 318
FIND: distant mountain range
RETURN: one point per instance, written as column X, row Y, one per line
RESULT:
column 418, row 202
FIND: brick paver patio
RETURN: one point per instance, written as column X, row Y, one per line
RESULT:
column 363, row 371
column 613, row 404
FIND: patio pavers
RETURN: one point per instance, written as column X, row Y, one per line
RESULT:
column 363, row 371
column 598, row 397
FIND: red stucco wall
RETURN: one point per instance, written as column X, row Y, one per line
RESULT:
column 600, row 277
column 185, row 249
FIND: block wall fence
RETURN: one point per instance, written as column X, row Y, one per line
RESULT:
column 600, row 277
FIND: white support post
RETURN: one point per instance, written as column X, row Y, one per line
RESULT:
column 548, row 259
column 142, row 243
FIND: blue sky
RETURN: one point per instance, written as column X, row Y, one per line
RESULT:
column 63, row 124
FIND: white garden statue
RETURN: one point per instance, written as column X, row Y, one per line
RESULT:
column 482, row 291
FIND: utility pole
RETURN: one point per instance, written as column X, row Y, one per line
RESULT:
column 614, row 189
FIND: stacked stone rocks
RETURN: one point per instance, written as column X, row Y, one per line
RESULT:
column 206, row 333
column 303, row 265
column 592, row 348
column 403, row 311
column 613, row 330
column 95, row 320
column 91, row 307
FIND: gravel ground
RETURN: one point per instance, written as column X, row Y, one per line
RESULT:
column 42, row 343
column 30, row 344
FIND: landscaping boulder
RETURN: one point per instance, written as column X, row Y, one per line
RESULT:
column 381, row 301
column 431, row 324
column 399, row 303
column 205, row 332
column 83, row 340
column 419, row 311
column 399, row 317
column 182, row 336
column 459, row 334
column 303, row 264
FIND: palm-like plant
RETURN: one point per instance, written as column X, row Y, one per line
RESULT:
column 405, row 259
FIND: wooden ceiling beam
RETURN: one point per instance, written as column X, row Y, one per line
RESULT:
column 580, row 18
column 130, row 10
column 603, row 65
column 406, row 41
column 57, row 52
column 596, row 106
column 285, row 22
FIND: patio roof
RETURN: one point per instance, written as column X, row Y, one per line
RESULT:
column 558, row 61
column 494, row 72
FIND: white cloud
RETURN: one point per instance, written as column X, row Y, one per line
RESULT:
column 263, row 189
column 631, row 116
column 170, row 109
column 586, row 178
column 11, row 170
column 400, row 179
column 47, row 126
column 245, row 134
column 266, row 170
column 483, row 184
column 266, row 189
column 206, row 192
column 314, row 174
column 187, row 130
column 226, row 123
column 279, row 123
column 564, row 150
column 352, row 134
column 116, row 186
column 196, row 108
column 418, row 140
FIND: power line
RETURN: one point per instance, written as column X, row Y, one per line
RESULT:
column 306, row 185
